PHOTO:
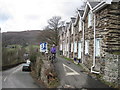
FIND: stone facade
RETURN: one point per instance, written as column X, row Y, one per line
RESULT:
column 111, row 68
column 101, row 38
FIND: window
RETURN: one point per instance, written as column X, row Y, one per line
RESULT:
column 86, row 47
column 72, row 29
column 97, row 48
column 71, row 47
column 61, row 47
column 90, row 16
column 80, row 25
column 75, row 46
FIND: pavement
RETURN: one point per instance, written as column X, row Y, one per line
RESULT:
column 16, row 78
column 72, row 75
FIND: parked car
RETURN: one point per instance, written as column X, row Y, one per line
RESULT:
column 26, row 67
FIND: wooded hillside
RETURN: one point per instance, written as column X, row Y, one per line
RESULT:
column 28, row 37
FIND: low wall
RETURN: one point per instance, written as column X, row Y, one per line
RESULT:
column 11, row 66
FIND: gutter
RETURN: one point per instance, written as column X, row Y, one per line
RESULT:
column 101, row 5
column 92, row 71
column 83, row 44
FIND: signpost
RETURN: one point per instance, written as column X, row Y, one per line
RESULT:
column 43, row 47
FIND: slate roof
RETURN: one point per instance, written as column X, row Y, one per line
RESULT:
column 81, row 12
column 93, row 4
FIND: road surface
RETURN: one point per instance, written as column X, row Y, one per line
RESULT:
column 16, row 78
column 73, row 75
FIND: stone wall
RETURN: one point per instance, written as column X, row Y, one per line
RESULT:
column 108, row 29
column 89, row 35
column 111, row 68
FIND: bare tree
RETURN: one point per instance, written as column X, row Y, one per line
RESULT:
column 55, row 24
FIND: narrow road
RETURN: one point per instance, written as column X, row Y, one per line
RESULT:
column 16, row 78
column 71, row 74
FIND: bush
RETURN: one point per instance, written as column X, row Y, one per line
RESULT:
column 33, row 57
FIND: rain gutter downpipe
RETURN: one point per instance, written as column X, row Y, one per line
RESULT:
column 92, row 71
column 83, row 44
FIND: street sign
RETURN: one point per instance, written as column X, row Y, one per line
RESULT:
column 43, row 47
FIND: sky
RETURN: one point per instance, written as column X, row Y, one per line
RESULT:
column 21, row 15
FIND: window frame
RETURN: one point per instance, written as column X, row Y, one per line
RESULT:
column 90, row 19
column 71, row 46
column 72, row 29
column 97, row 48
column 80, row 25
column 75, row 47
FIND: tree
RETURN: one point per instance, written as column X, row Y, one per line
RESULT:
column 55, row 24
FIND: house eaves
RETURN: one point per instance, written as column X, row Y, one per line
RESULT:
column 77, row 19
column 102, row 4
column 89, row 5
column 99, row 6
column 79, row 16
column 80, row 12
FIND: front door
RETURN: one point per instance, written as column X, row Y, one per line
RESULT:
column 79, row 50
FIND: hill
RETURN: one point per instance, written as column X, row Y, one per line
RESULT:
column 27, row 37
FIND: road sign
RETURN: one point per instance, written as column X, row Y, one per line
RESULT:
column 43, row 47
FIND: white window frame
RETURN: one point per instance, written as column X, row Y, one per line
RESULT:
column 61, row 47
column 71, row 47
column 97, row 47
column 80, row 25
column 86, row 47
column 90, row 17
column 75, row 47
column 72, row 29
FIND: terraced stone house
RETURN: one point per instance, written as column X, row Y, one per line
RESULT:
column 94, row 38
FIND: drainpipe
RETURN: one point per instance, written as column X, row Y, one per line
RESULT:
column 92, row 71
column 83, row 44
column 73, row 40
column 68, row 44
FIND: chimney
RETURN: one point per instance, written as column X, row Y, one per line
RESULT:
column 73, row 19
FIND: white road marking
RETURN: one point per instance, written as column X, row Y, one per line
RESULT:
column 69, row 73
column 5, row 79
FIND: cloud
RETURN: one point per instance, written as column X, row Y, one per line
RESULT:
column 4, row 16
column 20, row 15
column 32, row 17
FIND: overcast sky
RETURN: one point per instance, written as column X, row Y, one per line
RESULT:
column 20, row 15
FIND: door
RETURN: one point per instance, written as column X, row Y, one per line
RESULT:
column 79, row 50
